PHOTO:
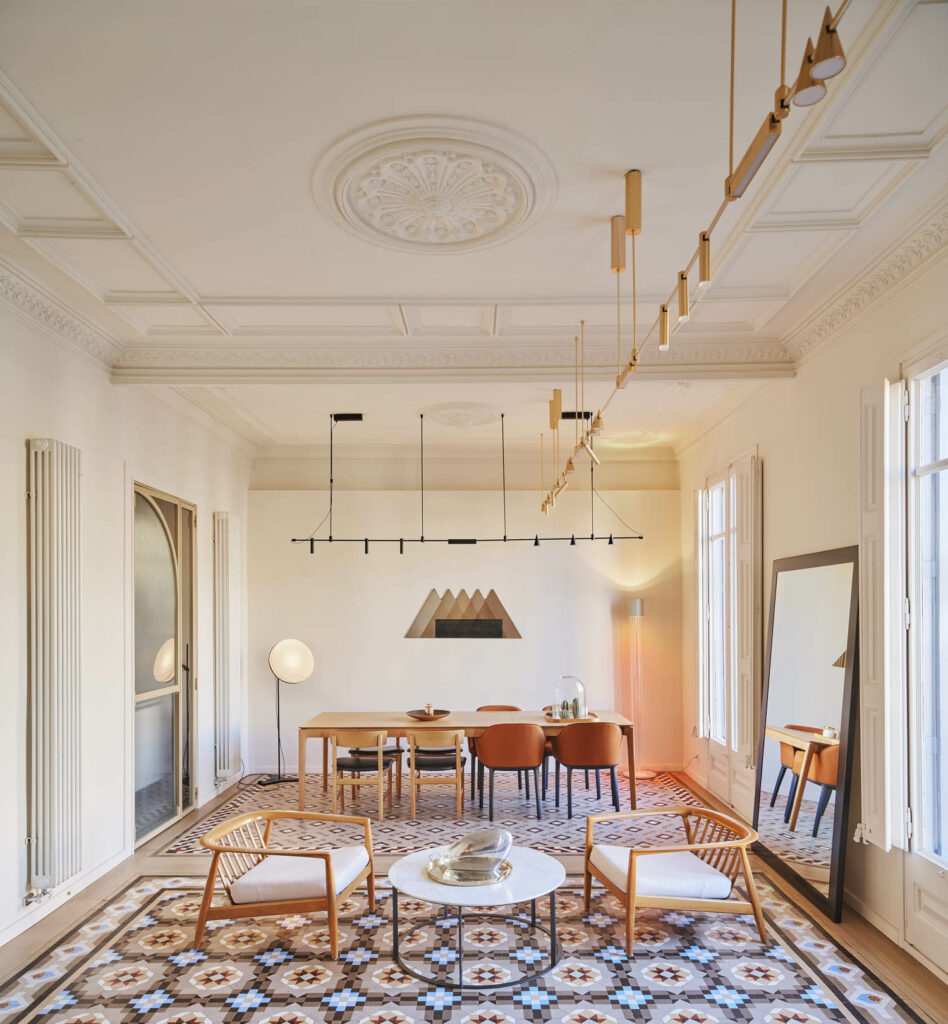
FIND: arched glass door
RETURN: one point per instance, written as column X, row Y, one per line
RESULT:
column 163, row 575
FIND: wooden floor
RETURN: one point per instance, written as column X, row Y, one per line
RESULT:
column 920, row 989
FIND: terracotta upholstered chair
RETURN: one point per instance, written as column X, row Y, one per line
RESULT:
column 823, row 770
column 451, row 760
column 370, row 769
column 695, row 875
column 787, row 755
column 512, row 747
column 260, row 880
column 472, row 742
column 586, row 746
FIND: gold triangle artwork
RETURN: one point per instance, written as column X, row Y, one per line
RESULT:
column 444, row 616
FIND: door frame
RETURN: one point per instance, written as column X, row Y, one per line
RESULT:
column 150, row 494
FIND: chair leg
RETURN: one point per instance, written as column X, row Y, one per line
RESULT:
column 615, row 787
column 413, row 793
column 382, row 795
column 398, row 777
column 821, row 807
column 587, row 886
column 752, row 894
column 569, row 792
column 526, row 786
column 546, row 774
column 460, row 793
column 630, row 928
column 480, row 782
column 587, row 778
column 780, row 775
column 598, row 787
column 557, row 783
column 370, row 885
column 519, row 780
column 536, row 790
column 491, row 804
column 206, row 902
column 391, row 768
column 473, row 775
column 333, row 927
column 794, row 782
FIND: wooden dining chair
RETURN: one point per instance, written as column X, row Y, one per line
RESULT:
column 587, row 746
column 261, row 880
column 511, row 747
column 472, row 743
column 693, row 876
column 420, row 763
column 373, row 769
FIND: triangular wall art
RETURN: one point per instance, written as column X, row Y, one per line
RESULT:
column 476, row 617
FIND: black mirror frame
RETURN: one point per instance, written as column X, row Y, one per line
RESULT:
column 832, row 903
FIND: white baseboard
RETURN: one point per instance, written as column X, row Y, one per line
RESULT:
column 889, row 930
column 35, row 912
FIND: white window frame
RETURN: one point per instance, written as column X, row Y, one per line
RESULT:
column 915, row 472
column 742, row 530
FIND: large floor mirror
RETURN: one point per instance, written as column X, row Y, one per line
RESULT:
column 804, row 758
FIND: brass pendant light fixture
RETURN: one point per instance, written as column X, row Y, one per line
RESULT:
column 820, row 62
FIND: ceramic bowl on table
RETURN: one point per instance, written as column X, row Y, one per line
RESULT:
column 425, row 716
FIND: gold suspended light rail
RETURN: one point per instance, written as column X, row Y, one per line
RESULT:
column 823, row 60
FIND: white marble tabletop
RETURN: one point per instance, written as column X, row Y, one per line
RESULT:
column 534, row 874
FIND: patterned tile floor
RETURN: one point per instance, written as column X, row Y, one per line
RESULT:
column 809, row 855
column 133, row 962
column 397, row 833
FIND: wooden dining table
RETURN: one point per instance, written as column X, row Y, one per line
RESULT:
column 472, row 723
column 809, row 743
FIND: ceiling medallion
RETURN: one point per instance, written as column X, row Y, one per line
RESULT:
column 462, row 415
column 433, row 184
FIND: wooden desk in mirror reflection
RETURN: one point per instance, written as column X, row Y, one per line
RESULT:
column 472, row 723
column 809, row 743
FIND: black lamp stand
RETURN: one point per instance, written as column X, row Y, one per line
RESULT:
column 276, row 780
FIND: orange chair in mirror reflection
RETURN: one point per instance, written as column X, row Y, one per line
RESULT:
column 806, row 742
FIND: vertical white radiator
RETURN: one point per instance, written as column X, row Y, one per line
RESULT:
column 53, row 625
column 226, row 643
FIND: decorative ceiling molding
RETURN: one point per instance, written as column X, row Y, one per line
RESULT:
column 41, row 310
column 901, row 261
column 434, row 184
column 463, row 415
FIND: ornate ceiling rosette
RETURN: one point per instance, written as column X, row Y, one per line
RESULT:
column 434, row 184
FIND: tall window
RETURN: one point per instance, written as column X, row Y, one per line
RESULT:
column 728, row 540
column 928, row 561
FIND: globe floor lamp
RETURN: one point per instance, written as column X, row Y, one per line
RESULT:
column 291, row 661
column 636, row 614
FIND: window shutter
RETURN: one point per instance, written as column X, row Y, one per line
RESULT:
column 746, row 634
column 881, row 629
column 701, row 610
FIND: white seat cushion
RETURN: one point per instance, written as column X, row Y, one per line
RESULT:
column 298, row 878
column 680, row 874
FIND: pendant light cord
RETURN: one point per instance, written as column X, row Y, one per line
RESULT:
column 503, row 469
column 421, row 417
column 332, row 427
column 731, row 139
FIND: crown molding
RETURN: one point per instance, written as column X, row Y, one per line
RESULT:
column 182, row 364
column 33, row 304
column 902, row 261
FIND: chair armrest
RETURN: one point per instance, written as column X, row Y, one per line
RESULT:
column 211, row 840
column 266, row 851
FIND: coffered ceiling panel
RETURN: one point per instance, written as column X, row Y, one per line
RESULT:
column 104, row 266
column 299, row 318
column 441, row 320
column 817, row 194
column 902, row 93
column 45, row 193
column 778, row 259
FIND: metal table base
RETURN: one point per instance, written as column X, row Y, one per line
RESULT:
column 475, row 915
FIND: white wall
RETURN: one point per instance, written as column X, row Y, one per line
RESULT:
column 124, row 435
column 807, row 433
column 569, row 604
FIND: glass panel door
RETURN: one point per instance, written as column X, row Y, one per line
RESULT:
column 163, row 640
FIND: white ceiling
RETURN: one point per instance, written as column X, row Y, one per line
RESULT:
column 156, row 166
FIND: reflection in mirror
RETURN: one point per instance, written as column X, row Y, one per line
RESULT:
column 802, row 769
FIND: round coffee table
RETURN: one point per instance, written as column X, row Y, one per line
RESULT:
column 534, row 875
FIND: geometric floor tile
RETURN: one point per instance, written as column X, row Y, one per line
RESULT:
column 134, row 962
column 398, row 834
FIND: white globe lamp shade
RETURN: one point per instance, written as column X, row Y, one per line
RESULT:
column 291, row 661
column 163, row 670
